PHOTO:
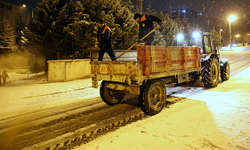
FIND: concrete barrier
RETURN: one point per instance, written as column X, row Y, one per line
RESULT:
column 66, row 70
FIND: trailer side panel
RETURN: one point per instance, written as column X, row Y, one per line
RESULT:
column 159, row 59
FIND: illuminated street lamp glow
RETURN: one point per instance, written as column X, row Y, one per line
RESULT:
column 180, row 37
column 231, row 19
column 237, row 37
column 32, row 10
column 196, row 35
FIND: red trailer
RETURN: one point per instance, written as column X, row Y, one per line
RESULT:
column 146, row 70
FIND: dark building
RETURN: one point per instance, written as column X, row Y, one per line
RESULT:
column 10, row 12
column 18, row 16
column 194, row 18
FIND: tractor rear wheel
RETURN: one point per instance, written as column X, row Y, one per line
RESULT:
column 210, row 72
column 111, row 97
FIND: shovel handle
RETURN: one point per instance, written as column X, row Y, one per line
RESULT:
column 141, row 39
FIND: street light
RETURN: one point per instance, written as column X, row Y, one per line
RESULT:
column 237, row 37
column 180, row 38
column 32, row 10
column 196, row 35
column 220, row 43
column 231, row 19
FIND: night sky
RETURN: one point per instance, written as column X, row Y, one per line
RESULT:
column 213, row 8
column 219, row 9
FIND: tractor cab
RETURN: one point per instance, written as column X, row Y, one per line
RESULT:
column 203, row 40
column 209, row 45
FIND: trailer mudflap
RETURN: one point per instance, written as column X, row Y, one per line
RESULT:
column 94, row 82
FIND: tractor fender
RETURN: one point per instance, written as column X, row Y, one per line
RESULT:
column 223, row 63
column 208, row 56
column 205, row 57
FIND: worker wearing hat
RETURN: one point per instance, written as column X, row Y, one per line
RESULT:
column 104, row 40
column 146, row 24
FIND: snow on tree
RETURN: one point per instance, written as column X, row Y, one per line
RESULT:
column 62, row 28
column 46, row 30
column 149, row 9
column 165, row 34
column 216, row 36
column 7, row 39
column 118, row 16
column 170, row 12
column 81, row 29
column 185, row 25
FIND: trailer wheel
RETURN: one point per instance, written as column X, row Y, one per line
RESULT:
column 210, row 73
column 153, row 97
column 225, row 72
column 111, row 97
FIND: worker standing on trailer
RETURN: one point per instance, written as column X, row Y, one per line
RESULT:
column 146, row 24
column 104, row 40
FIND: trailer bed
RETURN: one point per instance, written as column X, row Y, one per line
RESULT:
column 146, row 62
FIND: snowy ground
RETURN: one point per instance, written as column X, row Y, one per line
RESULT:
column 213, row 119
column 22, row 92
column 210, row 119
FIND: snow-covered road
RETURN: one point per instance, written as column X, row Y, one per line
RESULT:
column 208, row 119
column 211, row 119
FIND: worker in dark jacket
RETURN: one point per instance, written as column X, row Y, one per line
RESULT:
column 146, row 24
column 104, row 40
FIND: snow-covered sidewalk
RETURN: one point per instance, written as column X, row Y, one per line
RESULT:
column 230, row 106
column 22, row 92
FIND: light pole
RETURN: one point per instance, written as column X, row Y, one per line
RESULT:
column 220, row 38
column 139, row 6
column 32, row 10
column 220, row 32
column 237, row 37
column 248, row 35
column 231, row 19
